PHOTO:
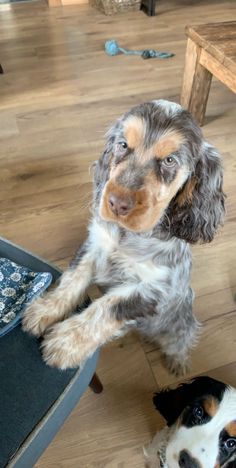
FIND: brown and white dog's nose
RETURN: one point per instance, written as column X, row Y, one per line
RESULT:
column 186, row 461
column 120, row 205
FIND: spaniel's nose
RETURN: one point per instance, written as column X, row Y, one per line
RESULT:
column 186, row 461
column 119, row 205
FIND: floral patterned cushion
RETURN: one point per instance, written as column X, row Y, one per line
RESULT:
column 18, row 286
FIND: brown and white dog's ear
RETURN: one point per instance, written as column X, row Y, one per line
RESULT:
column 198, row 209
column 171, row 402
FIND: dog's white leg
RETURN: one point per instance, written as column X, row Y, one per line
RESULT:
column 71, row 342
column 60, row 302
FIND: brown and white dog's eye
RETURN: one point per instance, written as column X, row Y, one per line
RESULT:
column 170, row 161
column 230, row 443
column 198, row 413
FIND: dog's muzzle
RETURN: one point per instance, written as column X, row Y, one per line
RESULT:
column 119, row 205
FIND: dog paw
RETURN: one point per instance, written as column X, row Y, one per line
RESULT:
column 63, row 347
column 177, row 367
column 37, row 317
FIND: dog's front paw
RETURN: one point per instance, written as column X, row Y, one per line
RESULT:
column 63, row 346
column 176, row 366
column 37, row 317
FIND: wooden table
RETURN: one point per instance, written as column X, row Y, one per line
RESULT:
column 211, row 50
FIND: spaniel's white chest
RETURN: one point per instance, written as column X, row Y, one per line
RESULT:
column 115, row 262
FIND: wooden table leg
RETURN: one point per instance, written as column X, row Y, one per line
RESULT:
column 96, row 384
column 196, row 83
column 149, row 7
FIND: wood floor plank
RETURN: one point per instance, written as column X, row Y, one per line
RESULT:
column 216, row 348
column 226, row 374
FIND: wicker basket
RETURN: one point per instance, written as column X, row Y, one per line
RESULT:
column 110, row 7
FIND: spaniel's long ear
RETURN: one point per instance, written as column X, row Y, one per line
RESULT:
column 198, row 209
column 171, row 402
column 101, row 168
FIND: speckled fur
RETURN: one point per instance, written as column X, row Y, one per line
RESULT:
column 146, row 273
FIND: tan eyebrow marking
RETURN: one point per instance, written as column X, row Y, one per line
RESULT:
column 169, row 142
column 231, row 429
column 211, row 406
column 134, row 130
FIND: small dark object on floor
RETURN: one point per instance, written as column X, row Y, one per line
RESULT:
column 150, row 53
column 96, row 384
column 1, row 69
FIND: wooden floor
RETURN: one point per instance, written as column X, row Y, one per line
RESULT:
column 59, row 94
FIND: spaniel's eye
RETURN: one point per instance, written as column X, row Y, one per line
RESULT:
column 198, row 412
column 121, row 147
column 169, row 161
column 230, row 444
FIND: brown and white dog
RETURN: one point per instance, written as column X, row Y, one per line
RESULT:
column 157, row 189
column 201, row 426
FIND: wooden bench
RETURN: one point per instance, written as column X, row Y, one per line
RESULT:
column 211, row 50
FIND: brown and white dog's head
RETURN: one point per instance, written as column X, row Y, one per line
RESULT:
column 202, row 418
column 157, row 169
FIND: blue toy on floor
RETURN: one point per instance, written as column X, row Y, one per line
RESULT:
column 112, row 48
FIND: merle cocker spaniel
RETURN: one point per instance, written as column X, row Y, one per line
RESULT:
column 157, row 189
